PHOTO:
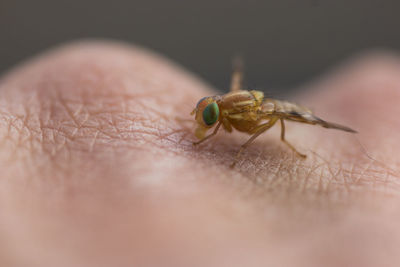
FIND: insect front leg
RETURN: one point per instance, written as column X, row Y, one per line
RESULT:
column 286, row 142
column 208, row 136
column 260, row 129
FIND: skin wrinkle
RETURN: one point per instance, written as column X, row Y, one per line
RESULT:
column 346, row 176
column 308, row 176
column 133, row 121
column 278, row 172
column 69, row 135
column 334, row 175
column 24, row 132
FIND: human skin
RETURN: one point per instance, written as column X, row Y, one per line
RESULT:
column 98, row 168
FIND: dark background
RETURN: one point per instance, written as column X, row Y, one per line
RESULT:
column 284, row 43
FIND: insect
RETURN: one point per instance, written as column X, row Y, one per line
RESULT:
column 249, row 112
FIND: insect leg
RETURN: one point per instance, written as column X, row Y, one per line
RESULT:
column 237, row 75
column 208, row 136
column 262, row 128
column 286, row 142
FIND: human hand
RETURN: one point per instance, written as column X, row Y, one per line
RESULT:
column 97, row 171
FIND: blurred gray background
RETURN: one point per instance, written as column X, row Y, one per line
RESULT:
column 284, row 43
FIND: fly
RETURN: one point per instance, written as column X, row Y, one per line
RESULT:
column 249, row 112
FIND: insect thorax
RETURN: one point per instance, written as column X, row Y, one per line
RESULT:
column 239, row 100
column 240, row 108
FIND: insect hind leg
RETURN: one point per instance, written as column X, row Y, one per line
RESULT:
column 237, row 75
column 287, row 143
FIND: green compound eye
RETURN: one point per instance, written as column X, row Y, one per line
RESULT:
column 211, row 113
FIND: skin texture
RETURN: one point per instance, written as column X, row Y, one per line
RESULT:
column 96, row 169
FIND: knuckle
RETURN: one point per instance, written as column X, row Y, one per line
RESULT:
column 77, row 101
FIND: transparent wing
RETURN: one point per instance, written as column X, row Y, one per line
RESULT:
column 309, row 118
column 293, row 112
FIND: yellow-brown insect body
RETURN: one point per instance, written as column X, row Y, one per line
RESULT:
column 241, row 110
column 250, row 112
column 246, row 110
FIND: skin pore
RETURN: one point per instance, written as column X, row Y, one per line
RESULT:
column 97, row 171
